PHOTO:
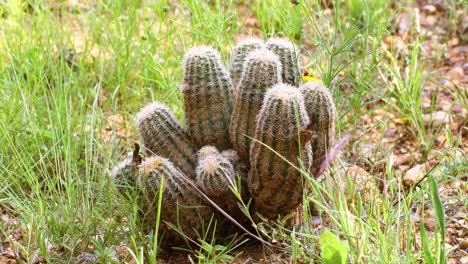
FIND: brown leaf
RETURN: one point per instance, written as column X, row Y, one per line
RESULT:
column 331, row 155
column 456, row 74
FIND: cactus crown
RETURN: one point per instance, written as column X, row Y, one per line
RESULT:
column 148, row 111
column 239, row 53
column 262, row 69
column 214, row 172
column 281, row 101
column 203, row 64
column 288, row 54
column 266, row 106
column 206, row 151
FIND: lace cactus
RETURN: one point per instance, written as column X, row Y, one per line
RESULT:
column 262, row 70
column 181, row 205
column 275, row 185
column 292, row 128
column 163, row 135
column 322, row 114
column 208, row 96
column 288, row 54
column 239, row 53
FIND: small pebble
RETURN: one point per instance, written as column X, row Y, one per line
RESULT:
column 456, row 73
column 429, row 9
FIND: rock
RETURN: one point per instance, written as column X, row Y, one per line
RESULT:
column 456, row 73
column 416, row 173
column 464, row 260
column 465, row 66
column 362, row 183
column 431, row 21
column 429, row 9
column 404, row 22
column 436, row 118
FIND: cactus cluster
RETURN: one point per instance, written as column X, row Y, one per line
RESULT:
column 248, row 130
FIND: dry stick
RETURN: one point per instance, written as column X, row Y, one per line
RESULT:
column 136, row 158
column 419, row 182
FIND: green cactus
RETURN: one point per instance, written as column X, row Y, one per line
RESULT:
column 208, row 96
column 240, row 170
column 215, row 174
column 275, row 185
column 181, row 205
column 216, row 177
column 288, row 54
column 234, row 159
column 239, row 53
column 163, row 135
column 262, row 70
column 322, row 114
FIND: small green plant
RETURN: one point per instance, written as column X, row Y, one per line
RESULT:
column 333, row 251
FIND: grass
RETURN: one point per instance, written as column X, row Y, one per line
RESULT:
column 73, row 75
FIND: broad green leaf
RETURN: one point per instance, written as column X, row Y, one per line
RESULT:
column 333, row 251
column 425, row 243
column 439, row 209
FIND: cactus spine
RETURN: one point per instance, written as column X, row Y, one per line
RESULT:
column 215, row 176
column 275, row 185
column 208, row 96
column 181, row 205
column 239, row 53
column 163, row 135
column 240, row 171
column 322, row 114
column 262, row 70
column 288, row 55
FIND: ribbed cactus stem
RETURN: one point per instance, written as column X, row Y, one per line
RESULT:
column 181, row 205
column 163, row 135
column 240, row 171
column 322, row 114
column 262, row 70
column 275, row 185
column 217, row 178
column 239, row 53
column 208, row 97
column 288, row 54
column 215, row 174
